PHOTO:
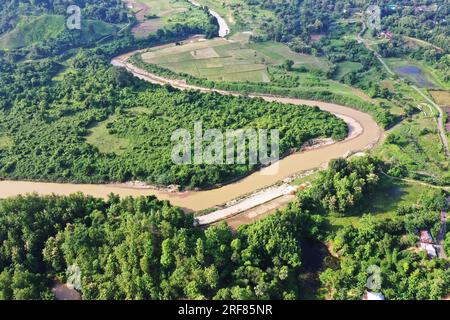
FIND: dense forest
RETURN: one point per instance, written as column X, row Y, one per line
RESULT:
column 143, row 248
column 297, row 20
column 48, row 122
column 60, row 97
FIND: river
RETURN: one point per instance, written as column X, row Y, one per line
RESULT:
column 367, row 135
column 364, row 134
column 224, row 29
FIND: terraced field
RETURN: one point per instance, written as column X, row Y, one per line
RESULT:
column 216, row 59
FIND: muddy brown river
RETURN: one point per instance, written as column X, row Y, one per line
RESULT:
column 364, row 134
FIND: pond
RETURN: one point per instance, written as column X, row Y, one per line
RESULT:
column 416, row 75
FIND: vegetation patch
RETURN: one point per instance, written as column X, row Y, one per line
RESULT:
column 5, row 142
column 344, row 68
column 59, row 142
column 100, row 136
column 442, row 98
column 31, row 30
column 414, row 149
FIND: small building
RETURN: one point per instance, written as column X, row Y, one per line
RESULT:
column 425, row 237
column 424, row 8
column 373, row 296
column 430, row 249
column 392, row 7
column 386, row 34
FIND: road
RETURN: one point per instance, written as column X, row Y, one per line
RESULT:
column 440, row 121
column 441, row 235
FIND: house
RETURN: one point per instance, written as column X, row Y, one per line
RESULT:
column 430, row 249
column 392, row 7
column 425, row 237
column 385, row 34
column 423, row 8
column 373, row 296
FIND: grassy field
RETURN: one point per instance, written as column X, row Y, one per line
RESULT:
column 32, row 30
column 382, row 203
column 418, row 147
column 346, row 67
column 5, row 142
column 229, row 60
column 105, row 142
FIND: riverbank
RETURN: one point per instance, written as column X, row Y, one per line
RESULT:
column 364, row 134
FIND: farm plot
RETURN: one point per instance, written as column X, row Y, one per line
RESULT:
column 229, row 60
column 276, row 53
column 216, row 59
column 151, row 14
column 442, row 98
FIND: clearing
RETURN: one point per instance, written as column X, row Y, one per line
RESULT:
column 104, row 141
column 152, row 14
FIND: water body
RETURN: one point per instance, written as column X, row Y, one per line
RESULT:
column 224, row 29
column 200, row 200
column 364, row 134
column 416, row 75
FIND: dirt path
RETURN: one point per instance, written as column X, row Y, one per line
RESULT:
column 440, row 120
column 441, row 235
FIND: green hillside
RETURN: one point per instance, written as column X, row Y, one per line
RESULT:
column 33, row 30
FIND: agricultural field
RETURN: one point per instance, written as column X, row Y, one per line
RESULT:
column 276, row 53
column 442, row 98
column 152, row 14
column 416, row 146
column 229, row 60
column 216, row 59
